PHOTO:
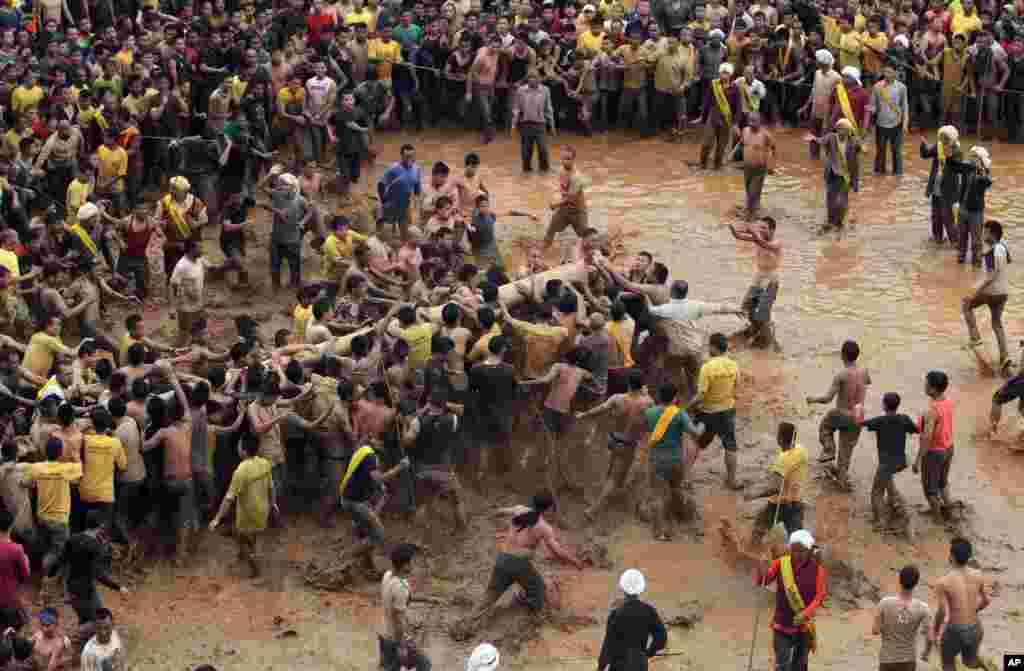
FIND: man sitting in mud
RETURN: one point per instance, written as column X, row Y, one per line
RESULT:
column 516, row 548
column 764, row 288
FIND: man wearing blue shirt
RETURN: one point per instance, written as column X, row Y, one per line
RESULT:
column 667, row 423
column 396, row 188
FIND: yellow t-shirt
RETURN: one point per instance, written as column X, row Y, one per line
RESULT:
column 872, row 60
column 289, row 96
column 12, row 140
column 716, row 384
column 336, row 250
column 849, row 50
column 589, row 40
column 365, row 16
column 42, row 347
column 251, row 488
column 300, row 316
column 965, row 25
column 23, row 99
column 126, row 342
column 9, row 260
column 78, row 194
column 113, row 163
column 100, row 455
column 792, row 465
column 387, row 54
column 418, row 338
column 53, row 488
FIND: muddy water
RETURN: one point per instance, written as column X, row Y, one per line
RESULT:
column 881, row 283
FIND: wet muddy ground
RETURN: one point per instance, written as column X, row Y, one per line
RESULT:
column 881, row 283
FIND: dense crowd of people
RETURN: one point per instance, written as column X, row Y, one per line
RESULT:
column 130, row 129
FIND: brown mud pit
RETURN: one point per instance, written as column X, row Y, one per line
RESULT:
column 878, row 282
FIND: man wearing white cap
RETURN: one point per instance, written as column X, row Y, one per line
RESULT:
column 825, row 79
column 800, row 591
column 721, row 105
column 944, row 185
column 635, row 631
column 182, row 216
column 850, row 101
column 485, row 657
column 976, row 179
column 842, row 170
column 709, row 58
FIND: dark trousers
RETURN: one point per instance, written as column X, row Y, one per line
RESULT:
column 134, row 268
column 533, row 135
column 791, row 651
column 1014, row 116
column 290, row 253
column 943, row 224
column 889, row 138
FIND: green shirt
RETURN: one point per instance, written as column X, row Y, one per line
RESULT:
column 668, row 450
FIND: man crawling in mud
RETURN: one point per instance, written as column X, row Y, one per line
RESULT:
column 516, row 547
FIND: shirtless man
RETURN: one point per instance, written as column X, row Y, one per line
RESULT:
column 758, row 161
column 514, row 563
column 961, row 595
column 764, row 288
column 628, row 411
column 849, row 387
column 480, row 84
column 88, row 288
column 452, row 328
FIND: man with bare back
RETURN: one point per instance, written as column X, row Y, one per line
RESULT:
column 961, row 596
column 758, row 160
column 764, row 288
column 849, row 387
column 516, row 548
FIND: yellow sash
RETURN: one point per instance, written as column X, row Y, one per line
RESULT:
column 176, row 217
column 358, row 458
column 723, row 104
column 615, row 329
column 83, row 235
column 784, row 58
column 752, row 104
column 844, row 168
column 795, row 599
column 940, row 151
column 844, row 104
column 51, row 387
column 667, row 415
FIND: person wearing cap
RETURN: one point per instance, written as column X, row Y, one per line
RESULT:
column 944, row 183
column 397, row 649
column 800, row 591
column 634, row 632
column 719, row 109
column 182, row 216
column 842, row 170
column 851, row 101
column 485, row 657
column 819, row 102
column 890, row 112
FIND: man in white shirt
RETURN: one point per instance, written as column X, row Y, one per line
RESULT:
column 321, row 92
column 104, row 652
column 188, row 290
column 992, row 289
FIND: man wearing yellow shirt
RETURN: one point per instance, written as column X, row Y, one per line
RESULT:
column 965, row 19
column 112, row 169
column 12, row 139
column 849, row 45
column 27, row 97
column 339, row 247
column 416, row 334
column 43, row 347
column 52, row 481
column 715, row 404
column 363, row 15
column 78, row 193
column 101, row 454
column 252, row 493
column 786, row 480
column 481, row 349
column 592, row 39
column 875, row 43
column 384, row 52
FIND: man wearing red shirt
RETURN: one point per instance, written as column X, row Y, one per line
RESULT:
column 13, row 572
column 800, row 590
column 317, row 20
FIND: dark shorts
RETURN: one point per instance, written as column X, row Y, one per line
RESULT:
column 1012, row 390
column 898, row 666
column 13, row 618
column 556, row 422
column 395, row 656
column 618, row 442
column 721, row 424
column 935, row 471
column 366, row 521
column 493, row 429
column 509, row 570
column 963, row 640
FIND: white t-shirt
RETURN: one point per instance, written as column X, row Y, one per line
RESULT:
column 189, row 278
column 95, row 654
column 994, row 270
